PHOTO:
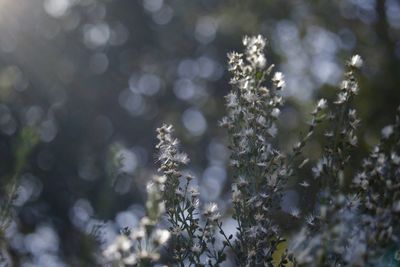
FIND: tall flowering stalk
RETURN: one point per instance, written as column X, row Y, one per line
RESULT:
column 259, row 167
column 328, row 231
column 193, row 233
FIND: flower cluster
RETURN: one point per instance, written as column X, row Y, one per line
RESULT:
column 378, row 185
column 193, row 233
column 352, row 226
column 141, row 245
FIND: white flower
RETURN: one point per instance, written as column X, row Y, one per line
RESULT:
column 321, row 103
column 260, row 61
column 356, row 61
column 310, row 219
column 304, row 184
column 179, row 192
column 160, row 237
column 176, row 231
column 395, row 158
column 111, row 252
column 121, row 244
column 272, row 130
column 295, row 212
column 224, row 122
column 235, row 60
column 194, row 191
column 161, row 179
column 231, row 100
column 182, row 158
column 138, row 233
column 196, row 249
column 236, row 195
column 245, row 41
column 342, row 97
column 387, row 131
column 151, row 188
column 211, row 208
column 252, row 231
column 345, row 85
column 278, row 76
column 278, row 80
column 211, row 211
column 259, row 217
column 275, row 112
column 264, row 91
column 145, row 221
column 318, row 169
column 130, row 260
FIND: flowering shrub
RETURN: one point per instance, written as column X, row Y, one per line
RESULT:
column 349, row 226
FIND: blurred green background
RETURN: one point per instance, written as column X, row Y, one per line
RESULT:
column 95, row 78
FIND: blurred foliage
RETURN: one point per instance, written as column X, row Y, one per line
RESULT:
column 23, row 146
column 91, row 74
